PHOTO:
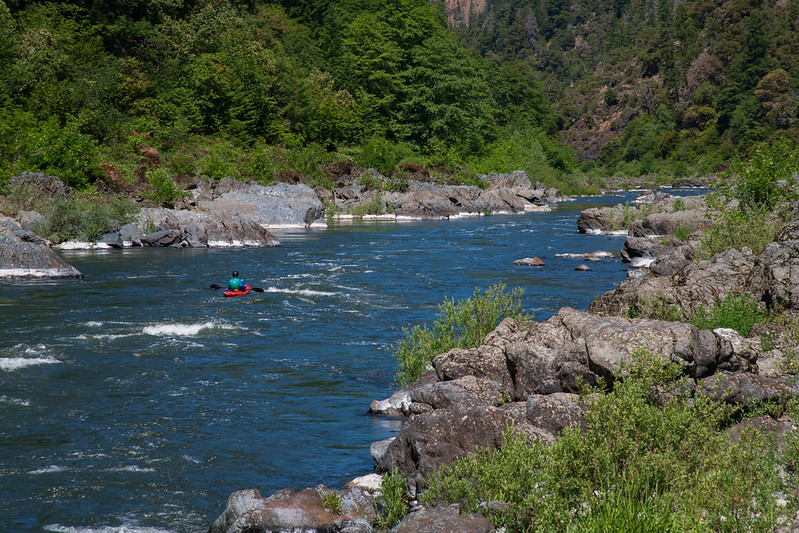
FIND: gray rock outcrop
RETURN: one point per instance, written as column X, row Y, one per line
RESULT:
column 676, row 279
column 657, row 215
column 47, row 186
column 505, row 193
column 279, row 205
column 199, row 229
column 528, row 376
column 443, row 520
column 25, row 255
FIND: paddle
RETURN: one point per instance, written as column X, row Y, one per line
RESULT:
column 256, row 289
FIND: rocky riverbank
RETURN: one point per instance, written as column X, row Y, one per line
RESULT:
column 230, row 213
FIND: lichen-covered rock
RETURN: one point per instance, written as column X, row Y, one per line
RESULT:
column 48, row 186
column 776, row 274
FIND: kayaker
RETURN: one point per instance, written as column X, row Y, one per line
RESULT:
column 236, row 283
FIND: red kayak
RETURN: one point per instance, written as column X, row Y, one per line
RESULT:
column 238, row 293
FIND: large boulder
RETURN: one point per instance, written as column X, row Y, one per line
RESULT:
column 658, row 224
column 47, row 186
column 598, row 220
column 279, row 205
column 25, row 255
column 437, row 437
column 288, row 510
column 196, row 229
column 697, row 284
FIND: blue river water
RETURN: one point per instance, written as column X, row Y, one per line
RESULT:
column 137, row 399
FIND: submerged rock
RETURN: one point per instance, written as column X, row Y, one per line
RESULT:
column 529, row 261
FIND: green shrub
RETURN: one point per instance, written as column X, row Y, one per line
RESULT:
column 682, row 232
column 738, row 228
column 371, row 181
column 374, row 206
column 83, row 216
column 510, row 474
column 183, row 163
column 392, row 502
column 218, row 160
column 625, row 509
column 50, row 147
column 383, row 155
column 639, row 465
column 763, row 179
column 308, row 160
column 469, row 177
column 162, row 187
column 332, row 502
column 25, row 196
column 461, row 324
column 738, row 311
column 657, row 307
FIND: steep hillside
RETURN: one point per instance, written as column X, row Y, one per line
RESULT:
column 681, row 82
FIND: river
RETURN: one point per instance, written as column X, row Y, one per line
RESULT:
column 137, row 399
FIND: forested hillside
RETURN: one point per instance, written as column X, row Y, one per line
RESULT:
column 653, row 85
column 254, row 89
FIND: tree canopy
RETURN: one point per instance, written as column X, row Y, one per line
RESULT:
column 642, row 87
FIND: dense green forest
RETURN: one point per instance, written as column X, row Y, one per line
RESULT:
column 566, row 91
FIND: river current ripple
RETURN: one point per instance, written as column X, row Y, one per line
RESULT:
column 137, row 399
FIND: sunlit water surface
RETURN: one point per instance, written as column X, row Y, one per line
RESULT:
column 137, row 399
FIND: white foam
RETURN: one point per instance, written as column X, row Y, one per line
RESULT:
column 10, row 364
column 301, row 292
column 235, row 244
column 126, row 528
column 82, row 245
column 48, row 470
column 178, row 330
column 14, row 401
column 132, row 468
column 103, row 336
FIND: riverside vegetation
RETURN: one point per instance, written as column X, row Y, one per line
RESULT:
column 569, row 93
column 650, row 457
